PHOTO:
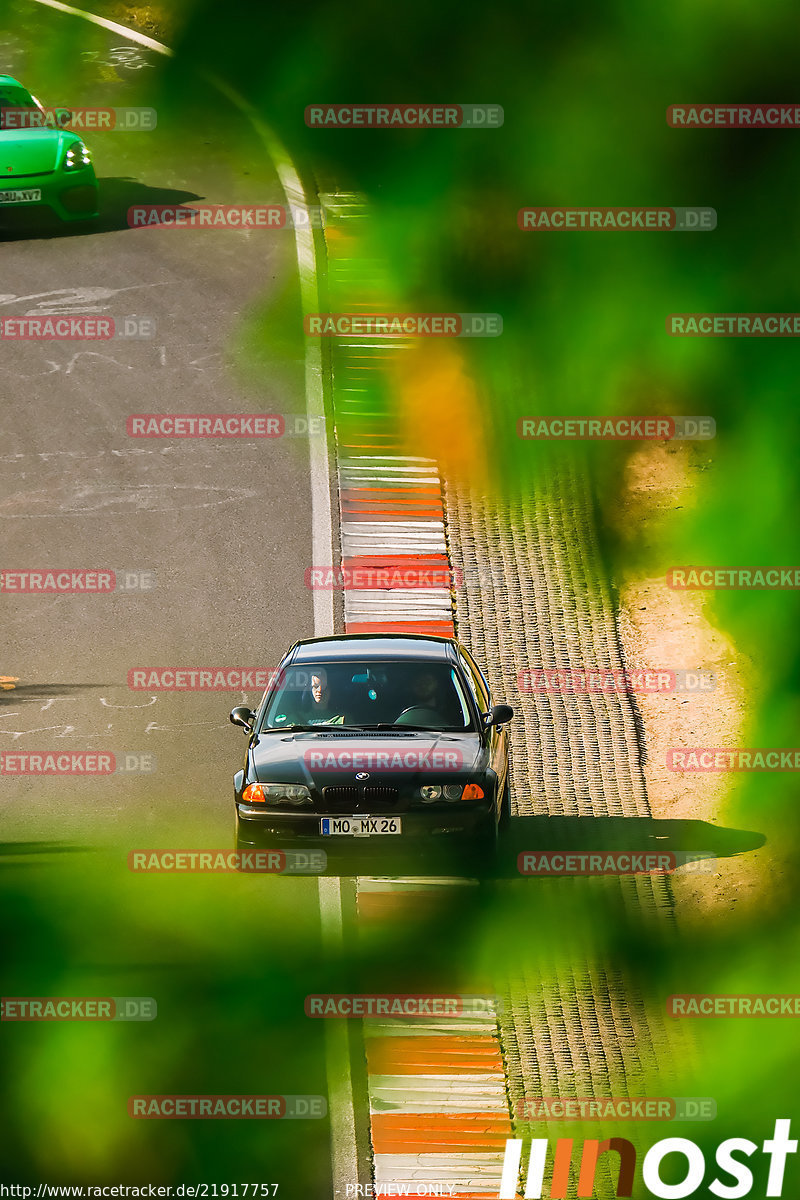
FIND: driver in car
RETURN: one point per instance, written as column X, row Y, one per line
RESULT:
column 427, row 704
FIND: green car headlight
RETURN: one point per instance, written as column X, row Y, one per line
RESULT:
column 77, row 156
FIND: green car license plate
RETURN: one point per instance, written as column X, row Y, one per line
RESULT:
column 20, row 196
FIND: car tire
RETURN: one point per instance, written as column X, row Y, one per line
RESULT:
column 485, row 841
column 240, row 839
column 505, row 806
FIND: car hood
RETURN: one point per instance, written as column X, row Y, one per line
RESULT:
column 31, row 151
column 326, row 759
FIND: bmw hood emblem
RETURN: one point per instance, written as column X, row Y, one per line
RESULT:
column 362, row 775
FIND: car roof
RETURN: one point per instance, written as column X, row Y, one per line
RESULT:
column 9, row 79
column 360, row 646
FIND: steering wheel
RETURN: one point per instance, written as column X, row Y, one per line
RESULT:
column 423, row 715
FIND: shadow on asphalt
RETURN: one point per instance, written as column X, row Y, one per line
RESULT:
column 15, row 853
column 44, row 691
column 637, row 835
column 117, row 196
column 537, row 835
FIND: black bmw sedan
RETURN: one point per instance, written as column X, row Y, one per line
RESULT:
column 387, row 736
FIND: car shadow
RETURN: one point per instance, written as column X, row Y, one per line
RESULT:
column 117, row 196
column 31, row 853
column 635, row 834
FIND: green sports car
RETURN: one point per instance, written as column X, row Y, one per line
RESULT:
column 43, row 165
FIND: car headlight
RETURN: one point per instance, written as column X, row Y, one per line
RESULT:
column 276, row 793
column 451, row 792
column 77, row 156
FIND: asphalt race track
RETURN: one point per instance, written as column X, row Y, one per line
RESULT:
column 214, row 534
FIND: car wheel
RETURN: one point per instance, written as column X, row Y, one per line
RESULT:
column 240, row 840
column 505, row 806
column 486, row 839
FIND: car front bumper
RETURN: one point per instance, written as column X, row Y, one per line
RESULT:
column 72, row 196
column 453, row 820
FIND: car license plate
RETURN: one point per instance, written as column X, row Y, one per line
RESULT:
column 359, row 826
column 21, row 196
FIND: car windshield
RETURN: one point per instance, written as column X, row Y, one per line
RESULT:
column 12, row 100
column 414, row 695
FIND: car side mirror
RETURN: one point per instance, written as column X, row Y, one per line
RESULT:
column 242, row 715
column 500, row 714
column 63, row 117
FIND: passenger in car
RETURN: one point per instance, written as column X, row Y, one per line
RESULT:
column 323, row 707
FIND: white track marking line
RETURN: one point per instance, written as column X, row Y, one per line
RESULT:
column 341, row 1109
column 131, row 34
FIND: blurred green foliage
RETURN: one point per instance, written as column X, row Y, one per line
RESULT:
column 585, row 90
